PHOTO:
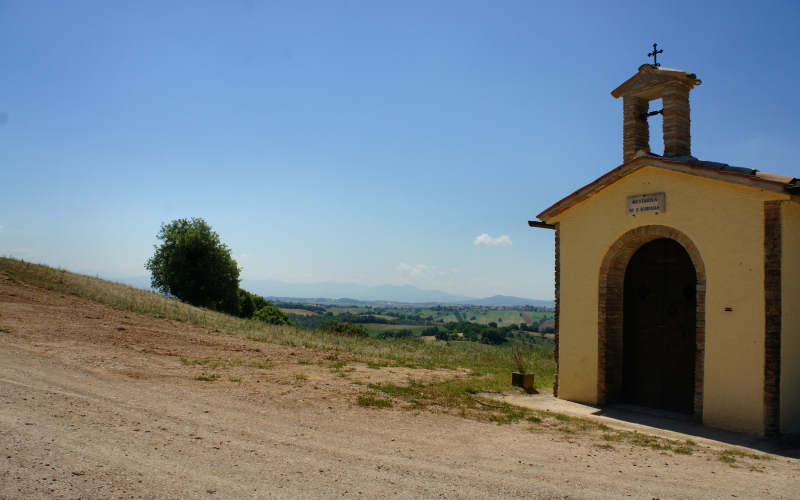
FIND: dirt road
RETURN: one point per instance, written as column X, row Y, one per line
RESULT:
column 101, row 403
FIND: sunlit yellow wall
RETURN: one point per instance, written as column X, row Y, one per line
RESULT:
column 726, row 223
column 790, row 321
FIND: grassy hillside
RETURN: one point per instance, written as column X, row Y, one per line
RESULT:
column 490, row 365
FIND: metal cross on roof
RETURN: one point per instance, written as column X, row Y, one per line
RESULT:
column 655, row 54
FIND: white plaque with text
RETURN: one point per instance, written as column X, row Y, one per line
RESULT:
column 647, row 204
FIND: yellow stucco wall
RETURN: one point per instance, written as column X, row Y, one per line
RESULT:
column 790, row 320
column 725, row 221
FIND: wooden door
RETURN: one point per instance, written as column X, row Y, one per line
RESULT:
column 660, row 327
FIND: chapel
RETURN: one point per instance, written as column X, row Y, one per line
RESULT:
column 677, row 280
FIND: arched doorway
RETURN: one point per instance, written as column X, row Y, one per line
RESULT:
column 659, row 327
column 611, row 312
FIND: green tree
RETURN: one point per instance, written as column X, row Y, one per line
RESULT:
column 193, row 265
column 493, row 336
column 272, row 315
column 443, row 335
column 247, row 305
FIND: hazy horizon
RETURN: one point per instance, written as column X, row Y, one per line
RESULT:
column 343, row 290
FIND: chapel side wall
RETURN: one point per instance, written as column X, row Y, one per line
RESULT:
column 726, row 223
column 577, row 350
column 790, row 318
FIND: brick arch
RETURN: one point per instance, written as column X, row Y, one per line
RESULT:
column 610, row 310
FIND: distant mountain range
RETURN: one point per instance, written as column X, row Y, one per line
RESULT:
column 405, row 294
column 392, row 293
column 349, row 292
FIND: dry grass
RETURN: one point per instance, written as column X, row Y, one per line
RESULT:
column 491, row 365
column 731, row 455
column 132, row 299
column 375, row 402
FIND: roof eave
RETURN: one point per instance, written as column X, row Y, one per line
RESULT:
column 636, row 163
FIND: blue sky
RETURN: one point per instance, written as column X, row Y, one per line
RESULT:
column 359, row 142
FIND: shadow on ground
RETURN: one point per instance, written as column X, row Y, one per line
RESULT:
column 788, row 446
column 653, row 421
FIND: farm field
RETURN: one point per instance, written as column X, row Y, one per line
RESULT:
column 377, row 319
column 130, row 394
column 297, row 312
column 482, row 315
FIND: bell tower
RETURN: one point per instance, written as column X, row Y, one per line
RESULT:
column 652, row 82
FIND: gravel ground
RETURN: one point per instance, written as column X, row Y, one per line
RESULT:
column 101, row 403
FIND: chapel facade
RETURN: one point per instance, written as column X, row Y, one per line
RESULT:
column 677, row 280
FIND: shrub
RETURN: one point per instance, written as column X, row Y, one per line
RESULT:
column 345, row 329
column 272, row 315
column 443, row 335
column 493, row 336
column 396, row 334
